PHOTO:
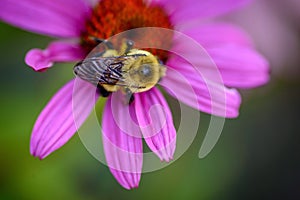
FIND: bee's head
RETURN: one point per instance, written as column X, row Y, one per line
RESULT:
column 145, row 72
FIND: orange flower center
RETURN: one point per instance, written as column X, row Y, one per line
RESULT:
column 111, row 17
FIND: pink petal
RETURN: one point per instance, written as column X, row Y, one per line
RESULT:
column 230, row 49
column 182, row 12
column 231, row 64
column 198, row 88
column 215, row 34
column 122, row 142
column 61, row 117
column 283, row 34
column 187, row 85
column 239, row 66
column 155, row 119
column 60, row 18
column 58, row 51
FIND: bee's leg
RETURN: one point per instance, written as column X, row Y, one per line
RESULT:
column 107, row 43
column 129, row 98
column 103, row 92
column 129, row 46
column 160, row 61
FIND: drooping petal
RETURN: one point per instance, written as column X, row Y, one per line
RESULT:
column 60, row 18
column 187, row 85
column 57, row 51
column 200, row 89
column 57, row 124
column 214, row 34
column 182, row 12
column 240, row 67
column 122, row 142
column 232, row 52
column 155, row 119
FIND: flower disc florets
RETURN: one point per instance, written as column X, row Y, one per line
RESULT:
column 112, row 17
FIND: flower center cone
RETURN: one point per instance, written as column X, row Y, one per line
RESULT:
column 113, row 17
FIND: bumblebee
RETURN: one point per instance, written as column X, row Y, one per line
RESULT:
column 128, row 69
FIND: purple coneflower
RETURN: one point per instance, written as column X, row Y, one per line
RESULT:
column 239, row 65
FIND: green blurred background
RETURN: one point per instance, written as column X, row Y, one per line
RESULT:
column 257, row 156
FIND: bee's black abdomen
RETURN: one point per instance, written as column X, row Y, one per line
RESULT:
column 103, row 92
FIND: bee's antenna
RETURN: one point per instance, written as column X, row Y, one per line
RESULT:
column 107, row 43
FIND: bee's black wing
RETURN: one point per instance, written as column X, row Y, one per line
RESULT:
column 101, row 70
